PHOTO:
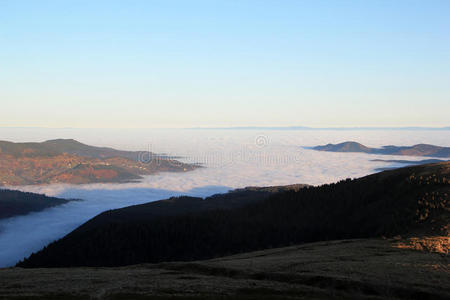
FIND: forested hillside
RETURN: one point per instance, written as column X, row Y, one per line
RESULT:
column 13, row 203
column 403, row 201
column 185, row 205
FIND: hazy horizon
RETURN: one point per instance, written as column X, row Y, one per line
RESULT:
column 274, row 127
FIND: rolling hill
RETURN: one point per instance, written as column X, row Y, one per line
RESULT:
column 69, row 161
column 416, row 150
column 406, row 201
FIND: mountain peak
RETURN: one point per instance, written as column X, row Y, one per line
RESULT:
column 62, row 141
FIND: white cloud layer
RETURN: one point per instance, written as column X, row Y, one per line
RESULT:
column 232, row 158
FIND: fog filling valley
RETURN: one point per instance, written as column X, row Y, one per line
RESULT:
column 231, row 159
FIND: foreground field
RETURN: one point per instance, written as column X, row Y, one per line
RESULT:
column 371, row 269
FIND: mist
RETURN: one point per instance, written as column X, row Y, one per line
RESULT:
column 231, row 159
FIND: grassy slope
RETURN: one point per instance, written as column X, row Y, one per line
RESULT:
column 363, row 269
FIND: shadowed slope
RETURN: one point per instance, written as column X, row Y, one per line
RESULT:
column 184, row 205
column 13, row 203
column 403, row 201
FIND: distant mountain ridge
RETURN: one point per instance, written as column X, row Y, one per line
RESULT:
column 69, row 161
column 318, row 128
column 415, row 150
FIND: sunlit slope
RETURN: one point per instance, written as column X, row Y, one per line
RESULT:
column 69, row 161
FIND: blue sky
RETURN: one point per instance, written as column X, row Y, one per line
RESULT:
column 142, row 64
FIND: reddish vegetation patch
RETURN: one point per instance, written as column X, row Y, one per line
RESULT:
column 438, row 244
column 28, row 151
column 24, row 165
column 68, row 178
column 104, row 174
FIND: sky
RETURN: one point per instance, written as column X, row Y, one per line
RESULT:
column 172, row 64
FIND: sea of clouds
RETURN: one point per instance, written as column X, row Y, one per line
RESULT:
column 231, row 159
